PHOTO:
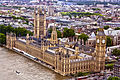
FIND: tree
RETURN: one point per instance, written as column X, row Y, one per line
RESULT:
column 71, row 32
column 83, row 37
column 109, row 41
column 50, row 30
column 108, row 19
column 19, row 31
column 109, row 66
column 96, row 9
column 106, row 27
column 22, row 18
column 2, row 38
column 75, row 15
column 117, row 28
column 113, row 78
column 22, row 32
column 4, row 29
column 116, row 52
column 68, row 32
column 81, row 74
column 79, row 16
column 59, row 34
column 70, row 16
column 65, row 34
column 8, row 29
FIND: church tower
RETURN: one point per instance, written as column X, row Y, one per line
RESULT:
column 39, row 23
column 100, row 50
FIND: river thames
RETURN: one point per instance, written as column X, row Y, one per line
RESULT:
column 17, row 67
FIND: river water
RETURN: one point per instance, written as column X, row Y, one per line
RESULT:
column 17, row 67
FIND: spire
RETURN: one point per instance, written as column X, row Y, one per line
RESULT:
column 77, row 50
column 45, row 30
column 35, row 21
column 34, row 13
column 45, row 9
column 54, row 28
column 54, row 35
column 34, row 9
column 27, row 36
column 40, row 10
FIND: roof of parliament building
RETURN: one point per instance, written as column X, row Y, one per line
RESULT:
column 52, row 50
column 56, row 46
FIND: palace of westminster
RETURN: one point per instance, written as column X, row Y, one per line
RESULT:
column 65, row 57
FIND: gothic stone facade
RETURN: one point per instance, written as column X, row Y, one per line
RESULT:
column 65, row 58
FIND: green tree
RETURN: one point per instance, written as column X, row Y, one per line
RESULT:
column 50, row 30
column 108, row 19
column 2, row 38
column 22, row 18
column 19, row 31
column 71, row 33
column 70, row 16
column 68, row 32
column 4, row 29
column 59, row 34
column 22, row 32
column 117, row 28
column 109, row 66
column 81, row 74
column 96, row 9
column 79, row 16
column 83, row 37
column 113, row 78
column 109, row 41
column 65, row 34
column 116, row 52
column 75, row 15
column 106, row 27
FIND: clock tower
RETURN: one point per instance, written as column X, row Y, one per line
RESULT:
column 100, row 50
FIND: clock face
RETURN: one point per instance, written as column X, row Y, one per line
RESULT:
column 103, row 41
column 98, row 40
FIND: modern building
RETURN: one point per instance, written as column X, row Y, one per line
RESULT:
column 65, row 58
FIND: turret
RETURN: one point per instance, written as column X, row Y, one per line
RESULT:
column 54, row 39
column 77, row 49
column 45, row 30
column 10, row 40
column 27, row 39
column 35, row 22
